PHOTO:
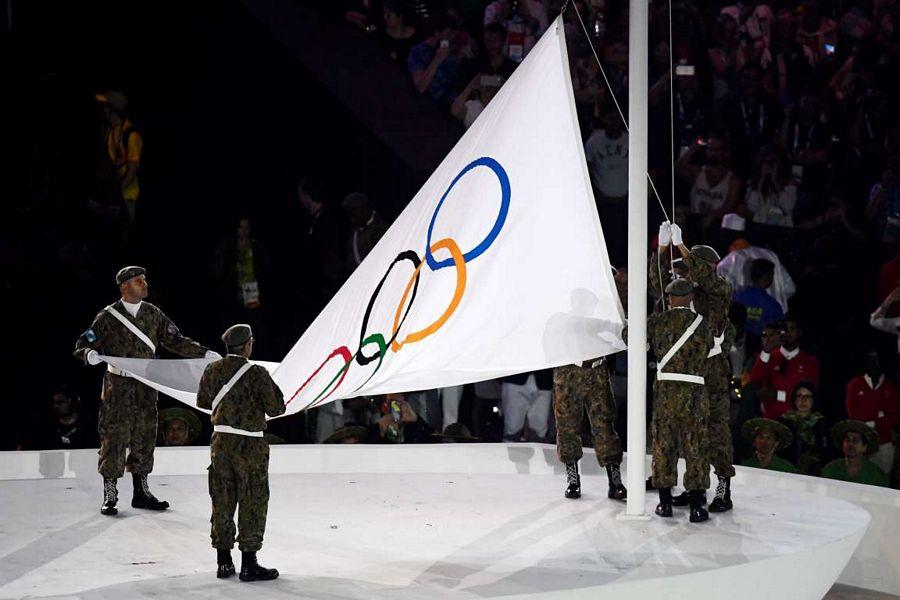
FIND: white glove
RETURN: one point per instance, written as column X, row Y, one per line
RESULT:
column 665, row 234
column 676, row 235
column 213, row 355
column 93, row 358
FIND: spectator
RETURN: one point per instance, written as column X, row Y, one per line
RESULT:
column 179, row 427
column 526, row 396
column 817, row 33
column 723, row 56
column 124, row 145
column 762, row 308
column 323, row 244
column 768, row 436
column 400, row 424
column 754, row 117
column 735, row 268
column 880, row 319
column 434, row 64
column 883, row 209
column 754, row 28
column 242, row 270
column 782, row 369
column 810, row 430
column 715, row 190
column 397, row 37
column 771, row 193
column 495, row 68
column 874, row 399
column 856, row 441
column 368, row 228
column 70, row 430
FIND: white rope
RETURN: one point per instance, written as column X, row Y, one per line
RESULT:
column 615, row 100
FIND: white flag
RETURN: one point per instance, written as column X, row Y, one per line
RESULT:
column 497, row 266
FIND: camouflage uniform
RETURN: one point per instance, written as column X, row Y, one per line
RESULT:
column 239, row 471
column 712, row 299
column 681, row 409
column 574, row 389
column 128, row 415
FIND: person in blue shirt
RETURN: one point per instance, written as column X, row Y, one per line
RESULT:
column 434, row 64
column 762, row 308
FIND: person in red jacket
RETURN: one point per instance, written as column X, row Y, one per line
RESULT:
column 779, row 371
column 874, row 399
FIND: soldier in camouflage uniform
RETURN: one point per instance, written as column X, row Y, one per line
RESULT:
column 576, row 388
column 712, row 299
column 130, row 328
column 681, row 340
column 240, row 396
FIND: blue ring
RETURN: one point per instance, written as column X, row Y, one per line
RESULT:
column 475, row 252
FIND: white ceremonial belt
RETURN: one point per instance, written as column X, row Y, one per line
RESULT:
column 236, row 431
column 117, row 371
column 660, row 376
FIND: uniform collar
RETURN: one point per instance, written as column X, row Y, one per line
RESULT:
column 790, row 354
column 237, row 356
column 869, row 381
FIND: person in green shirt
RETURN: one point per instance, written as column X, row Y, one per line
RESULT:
column 767, row 436
column 857, row 441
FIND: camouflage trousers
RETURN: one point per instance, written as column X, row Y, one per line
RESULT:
column 576, row 389
column 127, row 421
column 238, row 480
column 720, row 451
column 680, row 421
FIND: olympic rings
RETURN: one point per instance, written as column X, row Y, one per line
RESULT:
column 460, row 262
column 414, row 259
column 457, row 259
column 505, row 193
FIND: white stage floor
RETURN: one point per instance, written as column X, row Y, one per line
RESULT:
column 419, row 535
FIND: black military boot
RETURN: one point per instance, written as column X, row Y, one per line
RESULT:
column 226, row 565
column 142, row 497
column 253, row 571
column 616, row 489
column 698, row 513
column 110, row 497
column 664, row 508
column 684, row 498
column 573, row 481
column 722, row 501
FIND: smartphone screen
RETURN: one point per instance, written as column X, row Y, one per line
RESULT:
column 684, row 70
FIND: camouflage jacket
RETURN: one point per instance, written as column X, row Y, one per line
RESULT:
column 665, row 328
column 110, row 337
column 712, row 298
column 246, row 405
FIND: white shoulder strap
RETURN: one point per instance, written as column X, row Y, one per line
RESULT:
column 227, row 387
column 131, row 327
column 679, row 343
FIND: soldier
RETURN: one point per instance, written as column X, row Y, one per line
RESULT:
column 682, row 339
column 712, row 299
column 130, row 328
column 576, row 387
column 240, row 396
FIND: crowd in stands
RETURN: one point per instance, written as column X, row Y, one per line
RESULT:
column 786, row 159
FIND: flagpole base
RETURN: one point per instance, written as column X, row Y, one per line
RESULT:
column 624, row 516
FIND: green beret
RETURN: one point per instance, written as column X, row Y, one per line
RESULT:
column 784, row 435
column 680, row 287
column 457, row 432
column 237, row 335
column 182, row 414
column 348, row 431
column 127, row 273
column 707, row 253
column 840, row 429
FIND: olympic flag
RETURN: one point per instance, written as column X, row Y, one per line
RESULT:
column 497, row 266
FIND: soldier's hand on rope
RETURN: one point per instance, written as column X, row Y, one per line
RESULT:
column 665, row 234
column 93, row 358
column 677, row 239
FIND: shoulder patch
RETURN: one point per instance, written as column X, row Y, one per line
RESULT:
column 171, row 328
column 89, row 336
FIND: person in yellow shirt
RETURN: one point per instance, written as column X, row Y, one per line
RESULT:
column 123, row 145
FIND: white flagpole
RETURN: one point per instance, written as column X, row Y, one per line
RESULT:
column 637, row 256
